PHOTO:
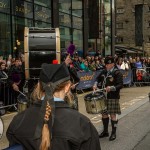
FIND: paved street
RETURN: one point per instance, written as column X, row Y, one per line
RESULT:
column 133, row 127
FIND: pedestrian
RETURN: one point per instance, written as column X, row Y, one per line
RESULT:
column 50, row 124
column 16, row 80
column 111, row 80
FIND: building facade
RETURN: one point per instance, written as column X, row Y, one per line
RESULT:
column 17, row 14
column 133, row 24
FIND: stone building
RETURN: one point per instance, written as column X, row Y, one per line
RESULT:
column 133, row 26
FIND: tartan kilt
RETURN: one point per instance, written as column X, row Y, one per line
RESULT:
column 113, row 106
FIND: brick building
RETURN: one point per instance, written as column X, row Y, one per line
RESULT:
column 133, row 24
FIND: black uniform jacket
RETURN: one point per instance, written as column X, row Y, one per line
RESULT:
column 114, row 78
column 71, row 130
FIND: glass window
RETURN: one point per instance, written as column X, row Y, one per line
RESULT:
column 18, row 31
column 107, row 44
column 119, row 40
column 5, row 35
column 42, row 13
column 22, row 9
column 65, row 6
column 5, row 6
column 46, row 3
column 77, row 8
column 29, row 0
column 65, row 19
column 77, row 23
column 41, row 24
column 78, row 39
column 65, row 37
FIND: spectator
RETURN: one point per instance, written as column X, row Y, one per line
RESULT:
column 3, row 83
column 139, row 75
column 138, row 63
column 3, row 72
column 84, row 66
column 92, row 66
column 124, row 65
column 16, row 78
column 76, row 63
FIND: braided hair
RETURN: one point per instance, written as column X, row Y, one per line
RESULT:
column 37, row 95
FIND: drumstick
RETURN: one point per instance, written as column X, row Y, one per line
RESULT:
column 22, row 93
column 98, row 90
column 76, row 84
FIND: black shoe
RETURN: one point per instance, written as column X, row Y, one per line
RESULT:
column 104, row 134
column 112, row 137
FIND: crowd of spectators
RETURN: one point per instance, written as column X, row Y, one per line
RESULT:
column 12, row 69
column 93, row 63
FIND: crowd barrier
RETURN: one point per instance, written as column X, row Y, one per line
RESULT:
column 87, row 79
column 7, row 97
column 141, row 76
column 135, row 76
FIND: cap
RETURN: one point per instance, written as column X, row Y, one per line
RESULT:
column 109, row 60
column 54, row 73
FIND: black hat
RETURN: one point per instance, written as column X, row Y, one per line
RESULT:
column 109, row 60
column 51, row 75
column 54, row 73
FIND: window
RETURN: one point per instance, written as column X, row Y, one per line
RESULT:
column 148, row 39
column 65, row 6
column 149, row 8
column 5, row 35
column 46, row 3
column 65, row 19
column 42, row 13
column 148, row 25
column 5, row 6
column 22, row 9
column 119, row 25
column 120, row 10
column 119, row 40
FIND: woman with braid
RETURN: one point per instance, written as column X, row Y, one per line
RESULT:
column 50, row 124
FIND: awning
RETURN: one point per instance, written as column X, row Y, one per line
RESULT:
column 130, row 50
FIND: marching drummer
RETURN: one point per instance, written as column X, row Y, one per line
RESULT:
column 111, row 79
column 50, row 124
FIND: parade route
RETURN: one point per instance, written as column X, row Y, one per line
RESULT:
column 133, row 126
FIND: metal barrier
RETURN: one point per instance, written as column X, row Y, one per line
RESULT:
column 141, row 76
column 7, row 95
column 137, row 77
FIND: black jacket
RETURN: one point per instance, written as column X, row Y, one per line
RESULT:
column 114, row 78
column 71, row 130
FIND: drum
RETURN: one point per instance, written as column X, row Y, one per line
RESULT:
column 95, row 103
column 40, row 46
column 1, row 127
column 22, row 102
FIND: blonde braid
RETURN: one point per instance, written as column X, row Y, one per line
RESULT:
column 45, row 143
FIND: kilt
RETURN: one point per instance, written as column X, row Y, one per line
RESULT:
column 113, row 106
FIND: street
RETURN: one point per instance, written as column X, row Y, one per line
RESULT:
column 133, row 127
